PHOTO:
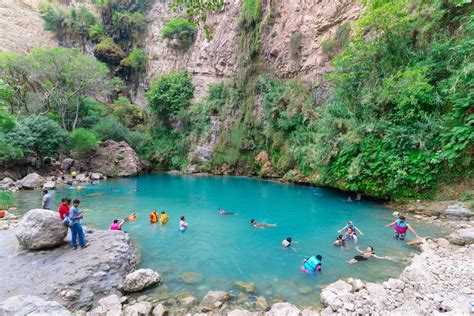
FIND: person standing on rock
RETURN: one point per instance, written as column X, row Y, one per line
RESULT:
column 46, row 200
column 64, row 208
column 401, row 227
column 75, row 217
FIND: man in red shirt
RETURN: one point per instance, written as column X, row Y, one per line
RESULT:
column 64, row 208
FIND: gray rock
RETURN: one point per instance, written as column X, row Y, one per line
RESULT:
column 108, row 306
column 458, row 212
column 331, row 295
column 138, row 309
column 462, row 237
column 40, row 229
column 213, row 300
column 31, row 305
column 394, row 284
column 160, row 310
column 97, row 176
column 115, row 159
column 241, row 312
column 49, row 273
column 261, row 303
column 283, row 309
column 67, row 163
column 32, row 181
column 7, row 184
column 140, row 279
column 49, row 185
column 309, row 312
column 188, row 301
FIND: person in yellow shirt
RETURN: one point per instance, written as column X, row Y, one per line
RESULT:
column 163, row 218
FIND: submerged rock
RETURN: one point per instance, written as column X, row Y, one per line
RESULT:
column 41, row 229
column 75, row 278
column 462, row 237
column 140, row 279
column 213, row 300
column 283, row 309
column 159, row 310
column 190, row 277
column 31, row 305
column 32, row 181
column 247, row 287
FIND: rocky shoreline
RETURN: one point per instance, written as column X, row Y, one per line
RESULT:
column 107, row 282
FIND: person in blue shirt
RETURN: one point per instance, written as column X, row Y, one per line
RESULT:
column 312, row 264
column 75, row 217
column 351, row 231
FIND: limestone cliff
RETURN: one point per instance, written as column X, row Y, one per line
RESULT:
column 21, row 27
column 304, row 22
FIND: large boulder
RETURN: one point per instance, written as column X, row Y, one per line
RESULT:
column 67, row 163
column 140, row 279
column 458, row 212
column 213, row 300
column 76, row 279
column 283, row 309
column 7, row 184
column 40, row 229
column 31, row 305
column 462, row 237
column 115, row 159
column 333, row 295
column 32, row 181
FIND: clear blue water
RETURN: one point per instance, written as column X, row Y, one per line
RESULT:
column 225, row 249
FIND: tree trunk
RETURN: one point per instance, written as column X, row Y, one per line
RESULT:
column 76, row 117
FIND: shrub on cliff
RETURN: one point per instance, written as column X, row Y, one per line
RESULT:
column 170, row 93
column 135, row 61
column 179, row 32
column 82, row 141
column 53, row 17
column 110, row 128
column 108, row 51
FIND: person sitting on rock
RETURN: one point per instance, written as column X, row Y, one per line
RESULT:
column 340, row 241
column 64, row 208
column 351, row 231
column 401, row 227
column 312, row 264
column 365, row 255
column 256, row 224
column 75, row 217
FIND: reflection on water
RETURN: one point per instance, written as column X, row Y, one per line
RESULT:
column 225, row 249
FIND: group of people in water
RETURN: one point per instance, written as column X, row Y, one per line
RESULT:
column 72, row 217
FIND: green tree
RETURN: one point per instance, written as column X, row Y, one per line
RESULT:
column 83, row 141
column 110, row 128
column 170, row 93
column 182, row 30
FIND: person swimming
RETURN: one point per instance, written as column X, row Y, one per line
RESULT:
column 340, row 241
column 365, row 255
column 351, row 231
column 113, row 190
column 401, row 227
column 312, row 264
column 256, row 224
column 135, row 190
column 163, row 218
column 288, row 242
column 222, row 212
column 183, row 226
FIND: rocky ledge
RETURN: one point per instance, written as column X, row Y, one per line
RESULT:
column 74, row 278
column 438, row 280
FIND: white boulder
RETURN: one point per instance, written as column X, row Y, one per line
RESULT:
column 32, row 181
column 462, row 237
column 40, row 229
column 138, row 309
column 283, row 309
column 458, row 212
column 140, row 279
column 49, row 185
column 213, row 300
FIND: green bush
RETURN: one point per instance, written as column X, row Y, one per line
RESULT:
column 180, row 29
column 128, row 114
column 53, row 17
column 83, row 141
column 96, row 31
column 110, row 129
column 333, row 44
column 170, row 93
column 135, row 61
column 79, row 20
column 7, row 121
column 128, row 26
column 108, row 51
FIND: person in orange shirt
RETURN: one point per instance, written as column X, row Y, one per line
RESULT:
column 153, row 217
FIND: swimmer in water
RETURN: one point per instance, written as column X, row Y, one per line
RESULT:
column 351, row 231
column 256, row 224
column 288, row 242
column 222, row 212
column 183, row 226
column 340, row 241
column 113, row 190
column 136, row 190
column 365, row 255
column 312, row 264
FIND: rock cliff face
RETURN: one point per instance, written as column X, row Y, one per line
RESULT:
column 286, row 23
column 21, row 27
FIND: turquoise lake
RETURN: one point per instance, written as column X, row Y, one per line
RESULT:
column 225, row 248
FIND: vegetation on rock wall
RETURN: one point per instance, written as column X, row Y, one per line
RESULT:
column 179, row 32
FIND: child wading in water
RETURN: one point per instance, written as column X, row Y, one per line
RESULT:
column 365, row 255
column 183, row 225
